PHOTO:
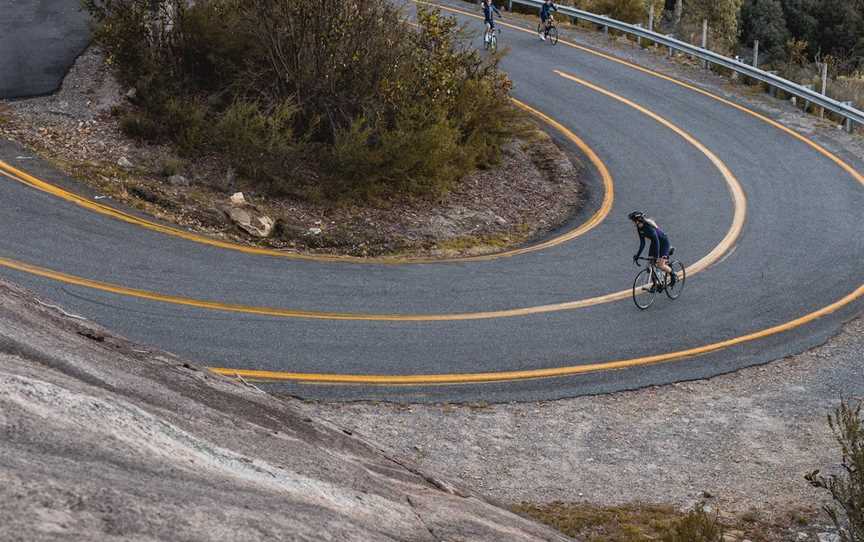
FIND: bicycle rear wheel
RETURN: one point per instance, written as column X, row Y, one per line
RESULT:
column 674, row 290
column 643, row 289
column 553, row 35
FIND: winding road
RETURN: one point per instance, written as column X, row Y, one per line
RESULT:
column 769, row 223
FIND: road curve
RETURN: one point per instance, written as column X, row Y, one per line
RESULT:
column 771, row 219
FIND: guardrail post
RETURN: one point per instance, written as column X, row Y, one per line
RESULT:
column 824, row 87
column 849, row 124
column 705, row 40
column 639, row 38
column 806, row 101
column 756, row 54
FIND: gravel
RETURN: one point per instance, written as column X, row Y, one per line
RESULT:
column 747, row 439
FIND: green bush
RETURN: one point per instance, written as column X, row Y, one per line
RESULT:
column 846, row 489
column 355, row 103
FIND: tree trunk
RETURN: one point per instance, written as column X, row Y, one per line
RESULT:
column 679, row 10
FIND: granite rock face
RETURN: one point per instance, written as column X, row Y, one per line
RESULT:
column 101, row 438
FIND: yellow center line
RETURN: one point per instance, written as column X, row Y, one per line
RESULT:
column 556, row 372
column 602, row 212
column 739, row 201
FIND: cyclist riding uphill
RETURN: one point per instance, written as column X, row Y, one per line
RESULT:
column 659, row 249
column 488, row 10
column 546, row 15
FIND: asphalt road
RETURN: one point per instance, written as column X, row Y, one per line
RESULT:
column 39, row 41
column 800, row 250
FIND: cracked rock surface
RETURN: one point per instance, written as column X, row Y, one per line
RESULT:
column 101, row 439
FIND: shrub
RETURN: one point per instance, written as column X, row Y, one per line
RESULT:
column 631, row 11
column 357, row 102
column 846, row 489
column 169, row 167
column 696, row 526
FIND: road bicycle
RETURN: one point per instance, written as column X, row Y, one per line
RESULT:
column 549, row 30
column 490, row 39
column 652, row 280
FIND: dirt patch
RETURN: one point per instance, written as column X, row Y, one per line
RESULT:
column 533, row 190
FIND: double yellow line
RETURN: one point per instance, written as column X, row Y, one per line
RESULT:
column 738, row 220
column 739, row 201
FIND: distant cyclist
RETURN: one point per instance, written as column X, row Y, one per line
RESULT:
column 489, row 10
column 660, row 246
column 546, row 17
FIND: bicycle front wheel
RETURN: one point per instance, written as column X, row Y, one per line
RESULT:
column 553, row 35
column 493, row 43
column 643, row 289
column 673, row 290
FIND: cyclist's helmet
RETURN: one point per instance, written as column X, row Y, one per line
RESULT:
column 636, row 215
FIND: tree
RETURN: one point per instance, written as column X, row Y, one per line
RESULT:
column 840, row 24
column 801, row 20
column 722, row 18
column 764, row 20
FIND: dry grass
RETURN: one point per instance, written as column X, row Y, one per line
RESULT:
column 647, row 522
column 4, row 114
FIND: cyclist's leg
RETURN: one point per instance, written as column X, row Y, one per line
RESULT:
column 663, row 256
column 488, row 32
column 542, row 32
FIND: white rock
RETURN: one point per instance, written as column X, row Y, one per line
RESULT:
column 247, row 219
column 238, row 198
column 125, row 163
column 828, row 537
column 241, row 217
column 315, row 231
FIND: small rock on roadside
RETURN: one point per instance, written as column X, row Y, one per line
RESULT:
column 125, row 163
column 828, row 537
column 251, row 221
column 178, row 180
column 315, row 231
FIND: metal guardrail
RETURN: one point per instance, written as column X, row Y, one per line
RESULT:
column 845, row 110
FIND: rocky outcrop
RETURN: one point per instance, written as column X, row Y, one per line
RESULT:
column 100, row 438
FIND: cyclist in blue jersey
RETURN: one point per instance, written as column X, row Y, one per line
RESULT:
column 546, row 16
column 489, row 10
column 660, row 246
